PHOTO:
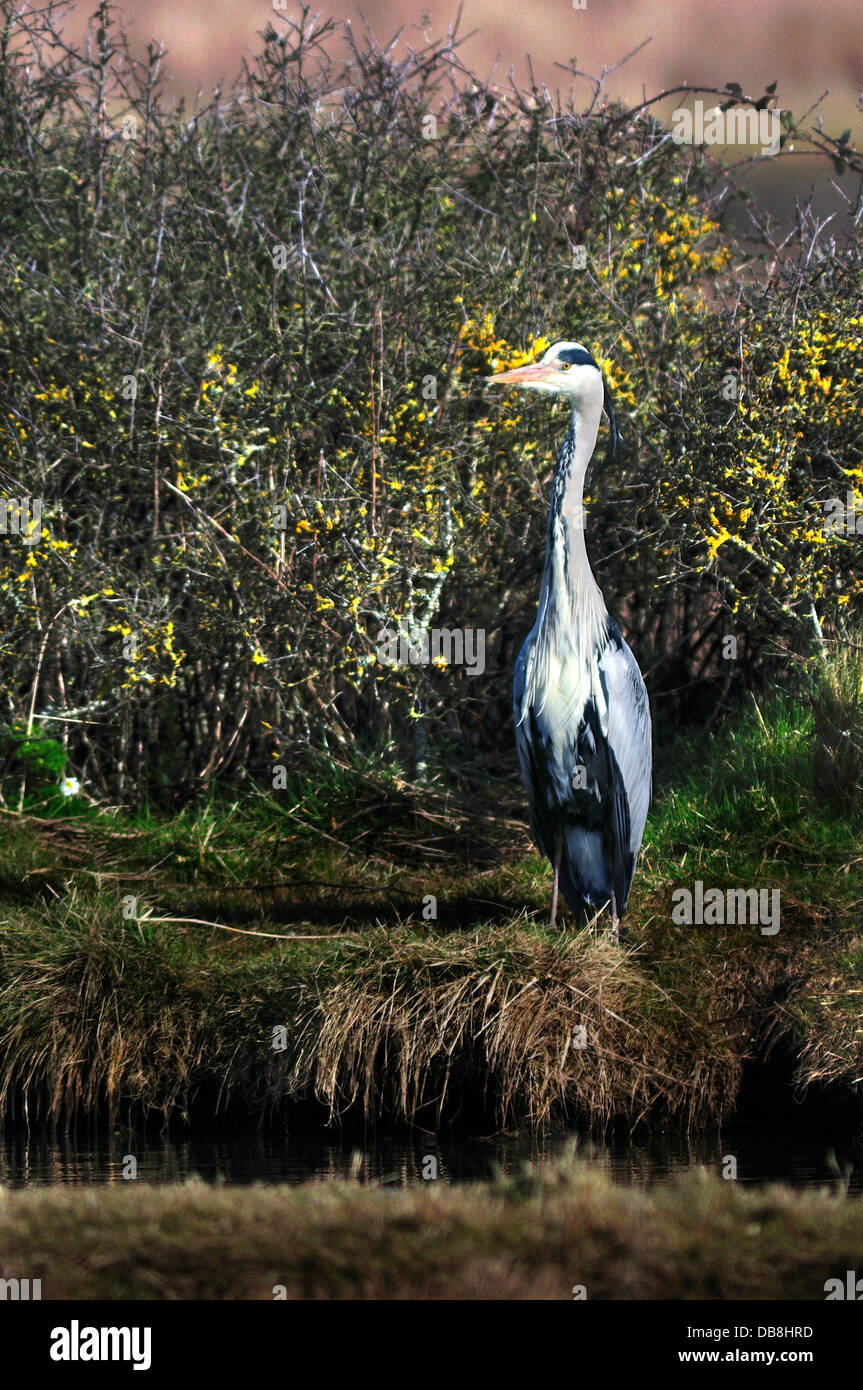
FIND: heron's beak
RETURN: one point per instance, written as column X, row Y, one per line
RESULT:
column 531, row 375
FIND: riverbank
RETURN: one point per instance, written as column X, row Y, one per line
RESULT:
column 543, row 1235
column 375, row 951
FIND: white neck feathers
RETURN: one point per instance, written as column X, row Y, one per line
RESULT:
column 574, row 599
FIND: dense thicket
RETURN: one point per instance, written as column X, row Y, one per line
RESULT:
column 242, row 352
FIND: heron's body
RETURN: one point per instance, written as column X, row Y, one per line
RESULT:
column 581, row 712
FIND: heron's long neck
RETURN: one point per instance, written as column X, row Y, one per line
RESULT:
column 573, row 596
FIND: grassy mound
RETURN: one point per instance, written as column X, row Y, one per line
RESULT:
column 243, row 957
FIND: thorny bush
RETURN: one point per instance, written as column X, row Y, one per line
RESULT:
column 242, row 351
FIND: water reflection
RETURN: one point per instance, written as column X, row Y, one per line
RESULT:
column 36, row 1157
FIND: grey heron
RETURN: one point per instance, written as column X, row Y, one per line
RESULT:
column 582, row 717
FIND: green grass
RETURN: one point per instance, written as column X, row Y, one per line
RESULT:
column 389, row 1014
column 536, row 1236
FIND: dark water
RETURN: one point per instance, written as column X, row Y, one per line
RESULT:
column 35, row 1158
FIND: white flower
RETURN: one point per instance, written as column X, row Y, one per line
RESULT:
column 70, row 786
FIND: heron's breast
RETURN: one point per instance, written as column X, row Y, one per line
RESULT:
column 557, row 698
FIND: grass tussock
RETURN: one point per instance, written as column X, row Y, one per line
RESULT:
column 533, row 1237
column 541, row 1025
column 116, row 995
column 524, row 1025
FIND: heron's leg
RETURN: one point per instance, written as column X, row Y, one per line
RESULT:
column 558, row 846
column 615, row 920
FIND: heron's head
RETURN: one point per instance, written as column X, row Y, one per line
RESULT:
column 566, row 369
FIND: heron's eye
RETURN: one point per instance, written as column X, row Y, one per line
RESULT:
column 564, row 366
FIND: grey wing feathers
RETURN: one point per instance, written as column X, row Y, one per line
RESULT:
column 629, row 736
column 524, row 731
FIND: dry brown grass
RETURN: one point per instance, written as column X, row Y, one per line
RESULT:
column 403, row 1023
column 826, row 1022
column 417, row 1020
column 529, row 1238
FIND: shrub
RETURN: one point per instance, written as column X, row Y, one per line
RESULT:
column 242, row 356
